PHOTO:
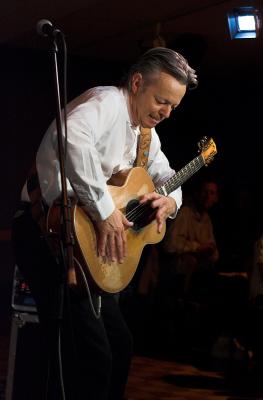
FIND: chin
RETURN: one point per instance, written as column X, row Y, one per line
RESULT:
column 148, row 124
column 145, row 125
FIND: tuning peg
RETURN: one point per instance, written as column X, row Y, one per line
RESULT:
column 202, row 142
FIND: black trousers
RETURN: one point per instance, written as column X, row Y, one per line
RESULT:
column 95, row 352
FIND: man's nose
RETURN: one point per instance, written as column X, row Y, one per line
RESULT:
column 165, row 111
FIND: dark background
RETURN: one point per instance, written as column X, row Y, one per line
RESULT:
column 103, row 38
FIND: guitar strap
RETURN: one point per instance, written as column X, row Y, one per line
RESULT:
column 143, row 146
column 144, row 141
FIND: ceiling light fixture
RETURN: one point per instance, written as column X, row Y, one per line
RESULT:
column 244, row 23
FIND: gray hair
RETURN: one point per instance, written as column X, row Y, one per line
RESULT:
column 161, row 59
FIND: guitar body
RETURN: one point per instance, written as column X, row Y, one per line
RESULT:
column 112, row 277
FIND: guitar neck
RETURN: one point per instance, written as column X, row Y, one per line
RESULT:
column 181, row 176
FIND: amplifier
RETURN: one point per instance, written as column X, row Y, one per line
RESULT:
column 24, row 374
column 22, row 299
column 25, row 377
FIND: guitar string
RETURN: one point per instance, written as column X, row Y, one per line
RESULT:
column 138, row 211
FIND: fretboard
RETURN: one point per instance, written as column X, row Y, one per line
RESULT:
column 181, row 176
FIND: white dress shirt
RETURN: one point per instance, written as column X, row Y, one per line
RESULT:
column 101, row 142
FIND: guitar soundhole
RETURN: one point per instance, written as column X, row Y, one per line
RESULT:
column 140, row 214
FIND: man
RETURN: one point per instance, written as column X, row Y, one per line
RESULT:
column 103, row 128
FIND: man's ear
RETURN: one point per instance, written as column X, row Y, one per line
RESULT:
column 136, row 82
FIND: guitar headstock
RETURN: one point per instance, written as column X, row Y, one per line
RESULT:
column 207, row 148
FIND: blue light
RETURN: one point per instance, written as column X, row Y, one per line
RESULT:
column 244, row 23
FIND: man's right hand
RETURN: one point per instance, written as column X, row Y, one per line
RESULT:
column 112, row 237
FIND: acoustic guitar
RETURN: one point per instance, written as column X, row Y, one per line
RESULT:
column 112, row 277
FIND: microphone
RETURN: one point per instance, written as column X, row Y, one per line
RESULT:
column 45, row 28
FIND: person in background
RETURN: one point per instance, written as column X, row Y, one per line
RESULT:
column 190, row 241
column 256, row 275
column 255, row 312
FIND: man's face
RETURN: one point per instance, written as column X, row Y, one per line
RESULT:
column 153, row 102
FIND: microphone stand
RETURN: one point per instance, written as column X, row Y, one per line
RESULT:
column 66, row 239
column 67, row 235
